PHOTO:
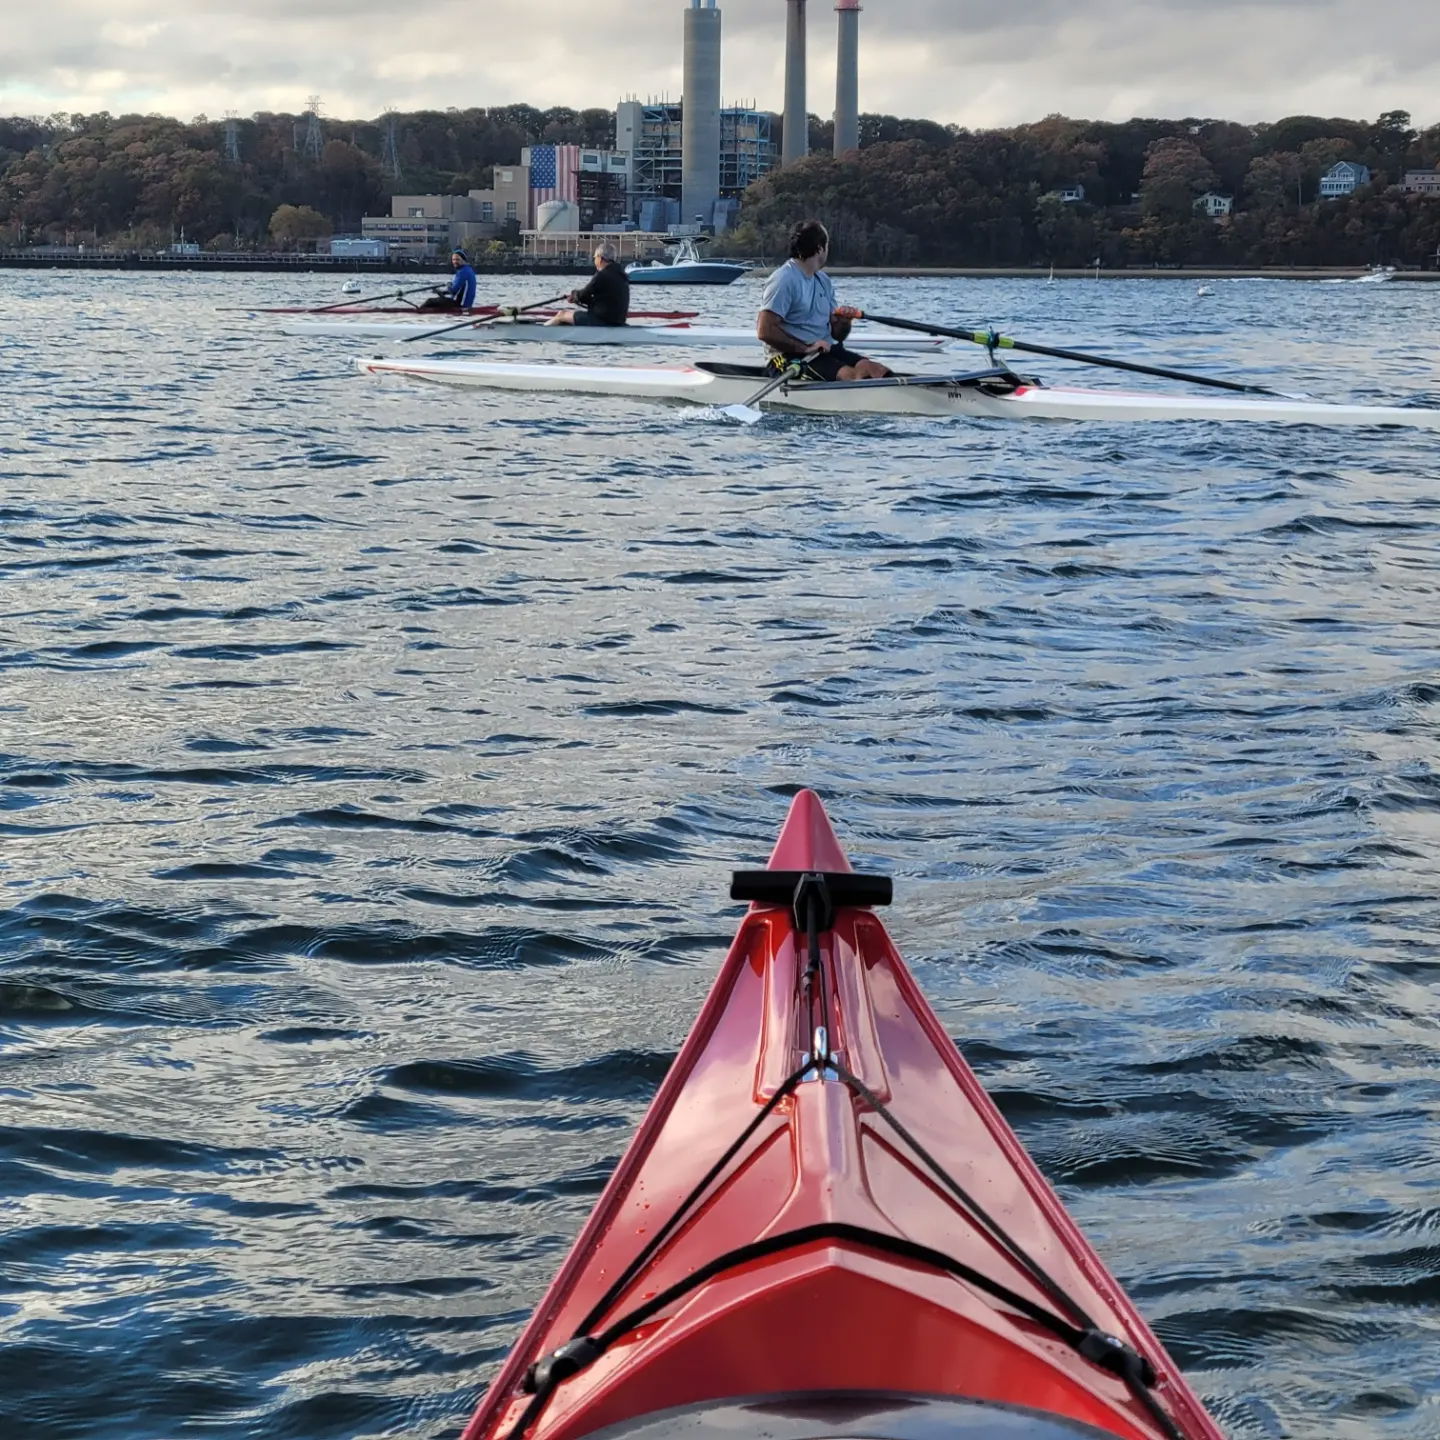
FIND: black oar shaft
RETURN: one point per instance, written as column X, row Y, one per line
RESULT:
column 370, row 299
column 485, row 320
column 1004, row 342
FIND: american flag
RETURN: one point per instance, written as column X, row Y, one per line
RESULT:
column 552, row 173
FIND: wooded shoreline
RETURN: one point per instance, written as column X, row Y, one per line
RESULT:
column 283, row 262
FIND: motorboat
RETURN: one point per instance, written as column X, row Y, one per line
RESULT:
column 685, row 267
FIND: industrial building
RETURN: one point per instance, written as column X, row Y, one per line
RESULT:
column 433, row 224
column 652, row 132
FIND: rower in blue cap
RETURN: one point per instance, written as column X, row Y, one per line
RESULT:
column 459, row 294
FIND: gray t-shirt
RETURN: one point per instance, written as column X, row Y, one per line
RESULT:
column 803, row 302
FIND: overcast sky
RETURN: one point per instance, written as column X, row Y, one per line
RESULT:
column 974, row 62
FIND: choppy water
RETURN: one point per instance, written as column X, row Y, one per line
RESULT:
column 373, row 758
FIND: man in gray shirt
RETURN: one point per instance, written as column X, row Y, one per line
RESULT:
column 797, row 313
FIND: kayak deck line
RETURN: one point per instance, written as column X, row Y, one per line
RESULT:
column 999, row 394
column 821, row 1201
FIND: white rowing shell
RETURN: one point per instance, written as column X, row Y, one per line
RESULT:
column 864, row 341
column 1029, row 402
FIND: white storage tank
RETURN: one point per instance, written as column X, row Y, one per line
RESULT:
column 562, row 216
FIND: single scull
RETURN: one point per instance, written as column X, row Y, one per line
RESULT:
column 986, row 394
column 675, row 333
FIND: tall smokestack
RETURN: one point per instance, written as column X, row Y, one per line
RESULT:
column 700, row 116
column 847, row 77
column 796, row 144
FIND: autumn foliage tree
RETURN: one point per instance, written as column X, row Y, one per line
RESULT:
column 292, row 224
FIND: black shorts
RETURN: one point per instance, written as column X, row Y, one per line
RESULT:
column 584, row 317
column 821, row 367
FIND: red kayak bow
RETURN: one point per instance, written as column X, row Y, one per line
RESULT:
column 825, row 1228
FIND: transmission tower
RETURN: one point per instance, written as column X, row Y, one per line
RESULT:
column 232, row 137
column 390, row 159
column 314, row 145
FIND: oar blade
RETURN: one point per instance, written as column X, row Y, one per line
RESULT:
column 745, row 414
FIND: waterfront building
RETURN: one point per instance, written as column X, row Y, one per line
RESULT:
column 435, row 224
column 1215, row 206
column 1422, row 182
column 359, row 247
column 1343, row 179
column 580, row 245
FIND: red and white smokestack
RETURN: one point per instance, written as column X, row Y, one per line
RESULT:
column 795, row 142
column 847, row 77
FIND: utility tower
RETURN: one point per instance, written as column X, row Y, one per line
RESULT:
column 314, row 145
column 232, row 137
column 390, row 157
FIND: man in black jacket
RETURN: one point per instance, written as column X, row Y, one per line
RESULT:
column 605, row 300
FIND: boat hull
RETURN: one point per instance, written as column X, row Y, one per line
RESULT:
column 702, row 272
column 843, row 1299
column 734, row 384
column 680, row 334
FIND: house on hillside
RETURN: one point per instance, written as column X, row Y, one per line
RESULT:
column 1213, row 206
column 1070, row 195
column 1344, row 178
column 1422, row 182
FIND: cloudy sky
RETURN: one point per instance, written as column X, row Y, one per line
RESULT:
column 974, row 62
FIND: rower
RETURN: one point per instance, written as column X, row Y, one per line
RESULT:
column 605, row 300
column 798, row 313
column 459, row 294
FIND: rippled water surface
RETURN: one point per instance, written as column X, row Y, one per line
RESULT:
column 373, row 758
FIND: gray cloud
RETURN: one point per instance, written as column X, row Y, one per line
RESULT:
column 967, row 61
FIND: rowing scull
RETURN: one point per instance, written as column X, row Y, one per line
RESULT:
column 678, row 333
column 989, row 394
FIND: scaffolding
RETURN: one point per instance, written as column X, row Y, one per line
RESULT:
column 602, row 196
column 747, row 151
column 657, row 158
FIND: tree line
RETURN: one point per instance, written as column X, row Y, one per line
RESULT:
column 996, row 197
column 915, row 192
column 142, row 180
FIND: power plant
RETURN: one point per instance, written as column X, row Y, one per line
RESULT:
column 795, row 142
column 700, row 117
column 847, row 77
